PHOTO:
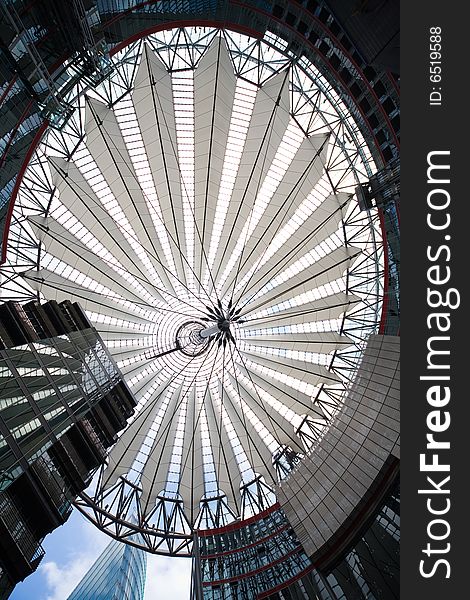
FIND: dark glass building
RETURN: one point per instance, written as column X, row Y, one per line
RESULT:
column 217, row 182
column 117, row 574
column 335, row 532
column 62, row 403
column 263, row 559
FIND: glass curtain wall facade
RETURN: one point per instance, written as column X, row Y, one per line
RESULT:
column 371, row 569
column 250, row 559
column 118, row 574
column 262, row 558
column 62, row 402
column 47, row 381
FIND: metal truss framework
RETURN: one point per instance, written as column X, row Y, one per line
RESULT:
column 315, row 110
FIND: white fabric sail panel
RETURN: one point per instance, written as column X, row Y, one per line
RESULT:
column 290, row 397
column 138, row 366
column 329, row 307
column 154, row 107
column 229, row 476
column 59, row 242
column 214, row 91
column 123, row 353
column 56, row 287
column 329, row 268
column 253, row 445
column 79, row 198
column 300, row 369
column 298, row 182
column 155, row 471
column 268, row 124
column 322, row 223
column 117, row 333
column 281, row 430
column 321, row 342
column 191, row 484
column 108, row 148
column 147, row 389
column 128, row 446
column 148, row 384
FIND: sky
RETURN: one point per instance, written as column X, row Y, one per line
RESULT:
column 72, row 549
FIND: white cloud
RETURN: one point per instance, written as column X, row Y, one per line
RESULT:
column 168, row 577
column 61, row 579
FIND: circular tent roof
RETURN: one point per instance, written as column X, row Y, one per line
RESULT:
column 199, row 205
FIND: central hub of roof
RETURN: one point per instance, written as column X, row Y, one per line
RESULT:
column 222, row 319
column 223, row 324
column 189, row 339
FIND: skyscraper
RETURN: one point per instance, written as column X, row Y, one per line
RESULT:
column 117, row 574
column 62, row 402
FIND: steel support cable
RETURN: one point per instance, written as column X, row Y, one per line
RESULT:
column 139, row 367
column 261, row 403
column 311, row 278
column 293, row 252
column 162, row 149
column 219, row 426
column 258, row 186
column 133, row 237
column 287, row 71
column 280, row 316
column 175, row 154
column 248, row 436
column 281, row 392
column 296, row 368
column 195, row 425
column 155, row 255
column 96, row 266
column 142, row 414
column 41, row 280
column 262, row 406
column 258, row 153
column 243, row 412
column 281, row 223
column 160, row 435
column 201, row 238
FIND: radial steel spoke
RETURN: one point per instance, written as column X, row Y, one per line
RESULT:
column 198, row 217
